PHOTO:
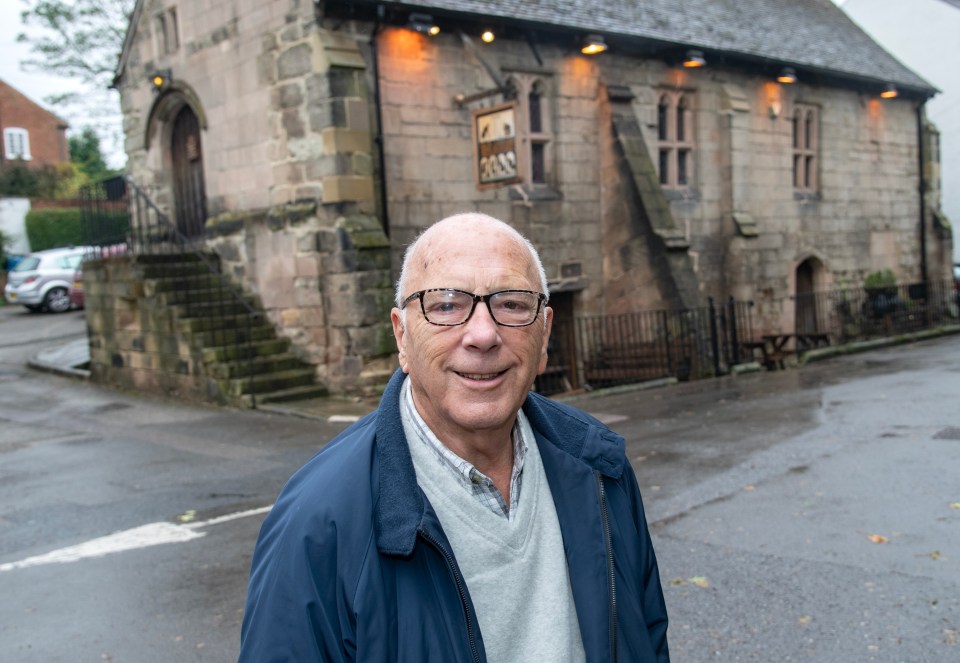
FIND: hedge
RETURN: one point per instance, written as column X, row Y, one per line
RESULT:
column 50, row 228
column 55, row 227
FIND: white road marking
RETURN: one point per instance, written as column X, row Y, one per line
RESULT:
column 228, row 517
column 145, row 536
column 342, row 419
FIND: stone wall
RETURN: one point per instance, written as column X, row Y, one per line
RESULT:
column 745, row 229
column 324, row 282
column 288, row 164
column 287, row 99
column 134, row 343
column 427, row 143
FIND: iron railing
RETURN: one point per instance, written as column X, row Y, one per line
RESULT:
column 117, row 217
column 608, row 350
column 854, row 314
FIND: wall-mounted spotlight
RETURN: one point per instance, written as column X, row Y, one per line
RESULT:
column 487, row 36
column 160, row 79
column 423, row 23
column 694, row 59
column 889, row 91
column 593, row 44
column 787, row 76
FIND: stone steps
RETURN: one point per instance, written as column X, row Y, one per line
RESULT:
column 268, row 382
column 224, row 327
column 262, row 365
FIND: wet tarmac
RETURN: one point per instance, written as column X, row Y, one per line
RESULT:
column 798, row 515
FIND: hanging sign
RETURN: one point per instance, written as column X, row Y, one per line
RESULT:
column 495, row 145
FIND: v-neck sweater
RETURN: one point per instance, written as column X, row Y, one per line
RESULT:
column 516, row 569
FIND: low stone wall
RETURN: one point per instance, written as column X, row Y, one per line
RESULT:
column 134, row 343
column 324, row 285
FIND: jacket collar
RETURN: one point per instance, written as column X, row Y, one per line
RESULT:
column 402, row 507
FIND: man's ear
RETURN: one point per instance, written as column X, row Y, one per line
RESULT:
column 399, row 334
column 548, row 326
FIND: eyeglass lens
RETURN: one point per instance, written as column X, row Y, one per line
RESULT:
column 453, row 307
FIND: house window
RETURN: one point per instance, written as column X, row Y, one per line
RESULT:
column 16, row 143
column 166, row 33
column 534, row 129
column 806, row 142
column 675, row 139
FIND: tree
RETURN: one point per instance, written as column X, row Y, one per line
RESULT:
column 85, row 153
column 52, row 182
column 79, row 39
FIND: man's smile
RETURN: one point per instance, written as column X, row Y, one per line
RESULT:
column 480, row 376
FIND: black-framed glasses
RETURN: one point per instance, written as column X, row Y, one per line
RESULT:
column 448, row 307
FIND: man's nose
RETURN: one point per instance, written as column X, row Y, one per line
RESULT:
column 482, row 330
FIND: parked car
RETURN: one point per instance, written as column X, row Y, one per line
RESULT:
column 76, row 288
column 41, row 280
column 956, row 283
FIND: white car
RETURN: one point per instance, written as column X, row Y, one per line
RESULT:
column 41, row 280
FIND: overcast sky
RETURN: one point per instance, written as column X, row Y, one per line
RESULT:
column 35, row 86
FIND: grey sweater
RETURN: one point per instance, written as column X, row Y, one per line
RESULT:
column 515, row 569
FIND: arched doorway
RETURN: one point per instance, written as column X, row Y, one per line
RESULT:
column 809, row 316
column 186, row 156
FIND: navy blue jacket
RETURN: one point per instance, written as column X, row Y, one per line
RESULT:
column 353, row 565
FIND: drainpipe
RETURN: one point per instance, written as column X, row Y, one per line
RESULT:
column 923, row 192
column 385, row 217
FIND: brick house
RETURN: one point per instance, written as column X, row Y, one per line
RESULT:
column 656, row 153
column 30, row 132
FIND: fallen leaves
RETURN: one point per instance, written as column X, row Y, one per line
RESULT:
column 955, row 505
column 877, row 538
column 805, row 619
column 187, row 516
column 699, row 581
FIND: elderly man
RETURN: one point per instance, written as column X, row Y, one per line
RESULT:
column 466, row 519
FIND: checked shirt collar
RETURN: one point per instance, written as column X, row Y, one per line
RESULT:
column 478, row 484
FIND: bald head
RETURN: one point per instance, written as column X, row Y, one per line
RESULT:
column 457, row 230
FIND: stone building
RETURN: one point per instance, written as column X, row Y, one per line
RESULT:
column 759, row 149
column 31, row 133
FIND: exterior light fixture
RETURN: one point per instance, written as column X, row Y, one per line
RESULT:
column 889, row 91
column 787, row 76
column 423, row 23
column 160, row 79
column 694, row 59
column 487, row 36
column 593, row 44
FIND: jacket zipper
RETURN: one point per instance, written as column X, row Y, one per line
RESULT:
column 611, row 570
column 461, row 588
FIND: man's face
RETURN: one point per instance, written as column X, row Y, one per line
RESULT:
column 472, row 377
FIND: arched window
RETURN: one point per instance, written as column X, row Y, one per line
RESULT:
column 675, row 137
column 534, row 127
column 805, row 148
column 663, row 117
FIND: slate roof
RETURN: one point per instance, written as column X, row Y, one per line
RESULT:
column 814, row 34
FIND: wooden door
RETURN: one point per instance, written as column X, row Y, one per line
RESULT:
column 190, row 203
